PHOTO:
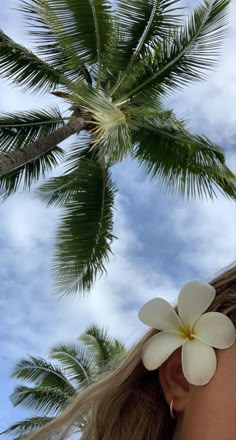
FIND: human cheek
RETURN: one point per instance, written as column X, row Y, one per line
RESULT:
column 211, row 411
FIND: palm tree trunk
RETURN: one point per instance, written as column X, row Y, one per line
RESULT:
column 12, row 161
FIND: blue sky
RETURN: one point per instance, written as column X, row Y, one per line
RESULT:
column 163, row 241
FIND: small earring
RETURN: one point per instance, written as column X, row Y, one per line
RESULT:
column 172, row 412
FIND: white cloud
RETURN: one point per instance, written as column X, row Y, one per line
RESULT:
column 207, row 235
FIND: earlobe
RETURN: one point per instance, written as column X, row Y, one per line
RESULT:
column 174, row 385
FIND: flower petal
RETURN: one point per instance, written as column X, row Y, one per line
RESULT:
column 194, row 298
column 215, row 329
column 159, row 314
column 159, row 348
column 198, row 362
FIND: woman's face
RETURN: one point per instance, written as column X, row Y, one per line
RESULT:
column 210, row 412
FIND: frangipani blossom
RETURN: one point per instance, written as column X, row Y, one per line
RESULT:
column 192, row 329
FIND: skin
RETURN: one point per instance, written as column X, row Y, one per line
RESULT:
column 207, row 412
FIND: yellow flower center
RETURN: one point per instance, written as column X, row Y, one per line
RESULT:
column 187, row 332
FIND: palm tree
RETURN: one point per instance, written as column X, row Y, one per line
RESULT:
column 55, row 384
column 113, row 64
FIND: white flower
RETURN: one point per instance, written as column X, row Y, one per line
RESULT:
column 192, row 329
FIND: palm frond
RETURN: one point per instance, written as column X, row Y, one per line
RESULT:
column 46, row 28
column 87, row 27
column 104, row 348
column 30, row 173
column 21, row 128
column 118, row 349
column 46, row 400
column 97, row 342
column 187, row 56
column 140, row 23
column 183, row 163
column 26, row 427
column 42, row 374
column 25, row 69
column 77, row 362
column 84, row 236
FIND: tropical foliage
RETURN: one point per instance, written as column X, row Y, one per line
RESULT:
column 54, row 382
column 114, row 64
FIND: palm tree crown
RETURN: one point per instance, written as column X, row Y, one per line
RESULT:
column 113, row 64
column 75, row 367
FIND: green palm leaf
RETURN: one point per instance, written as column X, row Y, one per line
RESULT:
column 19, row 130
column 117, row 349
column 47, row 31
column 104, row 348
column 140, row 23
column 21, row 429
column 185, row 57
column 145, row 21
column 184, row 164
column 83, row 240
column 48, row 400
column 42, row 374
column 22, row 128
column 30, row 173
column 76, row 361
column 87, row 27
column 80, row 363
column 25, row 69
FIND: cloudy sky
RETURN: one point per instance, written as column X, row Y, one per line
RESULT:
column 163, row 241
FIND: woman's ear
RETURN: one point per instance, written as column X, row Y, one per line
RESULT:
column 173, row 383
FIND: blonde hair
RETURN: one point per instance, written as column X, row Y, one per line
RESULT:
column 129, row 403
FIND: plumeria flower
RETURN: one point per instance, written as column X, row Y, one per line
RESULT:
column 192, row 329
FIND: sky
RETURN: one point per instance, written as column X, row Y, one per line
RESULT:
column 163, row 242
